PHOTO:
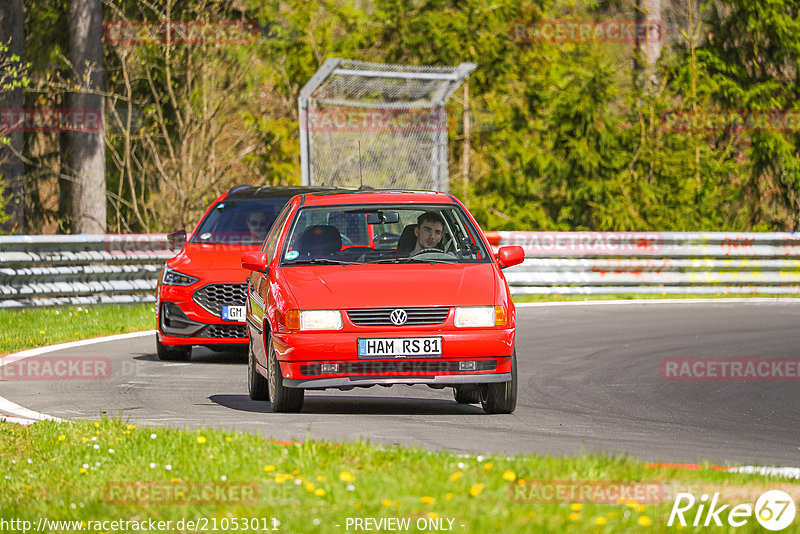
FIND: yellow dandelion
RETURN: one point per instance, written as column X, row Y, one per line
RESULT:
column 386, row 502
column 357, row 506
column 309, row 487
column 576, row 507
column 127, row 432
column 84, row 470
column 488, row 465
column 600, row 521
column 574, row 516
column 130, row 427
column 345, row 476
column 296, row 472
column 455, row 476
column 269, row 468
column 428, row 500
column 62, row 437
column 320, row 478
column 476, row 489
column 520, row 482
column 631, row 503
column 118, row 438
column 84, row 439
column 96, row 424
column 201, row 439
column 279, row 479
column 228, row 439
column 96, row 432
column 41, row 331
column 432, row 515
column 319, row 492
column 448, row 496
column 509, row 475
column 641, row 508
column 644, row 521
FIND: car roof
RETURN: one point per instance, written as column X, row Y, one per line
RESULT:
column 270, row 191
column 371, row 196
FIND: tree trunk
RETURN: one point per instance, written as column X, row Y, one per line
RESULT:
column 12, row 169
column 649, row 39
column 87, row 154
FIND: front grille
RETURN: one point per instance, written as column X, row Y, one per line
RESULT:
column 224, row 330
column 380, row 316
column 398, row 367
column 213, row 296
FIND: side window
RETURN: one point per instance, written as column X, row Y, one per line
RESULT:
column 272, row 242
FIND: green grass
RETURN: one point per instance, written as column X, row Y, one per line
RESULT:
column 635, row 296
column 36, row 327
column 67, row 471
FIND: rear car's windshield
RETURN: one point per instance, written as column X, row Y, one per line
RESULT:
column 240, row 221
column 383, row 233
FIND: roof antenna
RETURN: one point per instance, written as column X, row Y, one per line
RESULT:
column 360, row 172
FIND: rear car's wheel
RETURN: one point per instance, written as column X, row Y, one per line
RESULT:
column 501, row 397
column 282, row 399
column 467, row 394
column 257, row 385
column 173, row 352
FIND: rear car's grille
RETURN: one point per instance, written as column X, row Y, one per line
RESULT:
column 380, row 316
column 224, row 330
column 402, row 367
column 213, row 296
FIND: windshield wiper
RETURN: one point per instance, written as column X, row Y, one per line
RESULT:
column 322, row 261
column 413, row 260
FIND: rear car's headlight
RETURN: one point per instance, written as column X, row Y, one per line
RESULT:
column 474, row 316
column 314, row 320
column 175, row 278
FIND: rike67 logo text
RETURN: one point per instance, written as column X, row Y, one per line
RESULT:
column 774, row 510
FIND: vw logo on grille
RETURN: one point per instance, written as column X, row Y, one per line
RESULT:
column 398, row 317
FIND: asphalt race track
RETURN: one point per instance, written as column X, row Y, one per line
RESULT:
column 589, row 380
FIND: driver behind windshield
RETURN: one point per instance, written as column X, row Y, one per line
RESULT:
column 428, row 231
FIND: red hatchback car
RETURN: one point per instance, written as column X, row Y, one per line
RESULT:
column 201, row 291
column 372, row 287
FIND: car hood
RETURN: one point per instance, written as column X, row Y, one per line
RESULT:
column 224, row 262
column 383, row 286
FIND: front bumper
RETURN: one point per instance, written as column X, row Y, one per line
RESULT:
column 469, row 356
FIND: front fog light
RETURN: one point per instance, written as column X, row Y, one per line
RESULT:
column 320, row 320
column 475, row 316
column 326, row 368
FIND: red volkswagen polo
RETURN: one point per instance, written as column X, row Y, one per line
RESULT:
column 373, row 288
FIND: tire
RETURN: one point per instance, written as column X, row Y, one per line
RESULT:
column 501, row 397
column 173, row 352
column 257, row 385
column 281, row 398
column 467, row 394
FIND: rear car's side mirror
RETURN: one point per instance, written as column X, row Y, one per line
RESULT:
column 256, row 260
column 508, row 256
column 176, row 239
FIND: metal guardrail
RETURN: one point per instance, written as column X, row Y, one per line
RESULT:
column 84, row 269
column 653, row 262
column 80, row 269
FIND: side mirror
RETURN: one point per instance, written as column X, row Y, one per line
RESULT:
column 508, row 256
column 176, row 239
column 255, row 261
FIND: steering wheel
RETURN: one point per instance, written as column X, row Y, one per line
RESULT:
column 425, row 251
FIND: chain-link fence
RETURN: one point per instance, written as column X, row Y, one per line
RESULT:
column 381, row 125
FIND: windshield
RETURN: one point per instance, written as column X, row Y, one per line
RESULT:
column 383, row 233
column 239, row 222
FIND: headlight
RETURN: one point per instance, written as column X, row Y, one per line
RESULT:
column 174, row 278
column 474, row 316
column 314, row 320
